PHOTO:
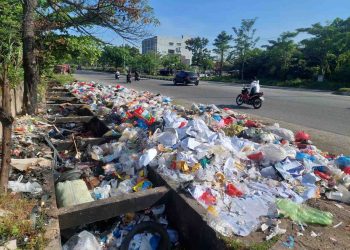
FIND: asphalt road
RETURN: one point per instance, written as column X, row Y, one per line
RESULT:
column 318, row 110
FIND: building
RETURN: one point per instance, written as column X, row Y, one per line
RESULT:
column 168, row 45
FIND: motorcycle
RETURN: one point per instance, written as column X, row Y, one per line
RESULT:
column 255, row 100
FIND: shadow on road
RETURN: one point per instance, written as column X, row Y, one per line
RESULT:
column 232, row 106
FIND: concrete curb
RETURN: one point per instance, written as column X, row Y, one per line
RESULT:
column 341, row 93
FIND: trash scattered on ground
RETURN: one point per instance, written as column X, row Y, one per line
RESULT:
column 240, row 169
column 148, row 229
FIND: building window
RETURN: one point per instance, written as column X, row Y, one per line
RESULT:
column 171, row 43
column 178, row 44
column 171, row 51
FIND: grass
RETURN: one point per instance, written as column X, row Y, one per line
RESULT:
column 16, row 224
column 236, row 244
column 54, row 78
column 295, row 83
column 61, row 79
column 219, row 79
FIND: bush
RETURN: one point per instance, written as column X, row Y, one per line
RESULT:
column 344, row 90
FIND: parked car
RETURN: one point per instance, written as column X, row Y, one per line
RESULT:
column 186, row 77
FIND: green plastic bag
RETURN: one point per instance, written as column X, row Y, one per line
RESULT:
column 302, row 213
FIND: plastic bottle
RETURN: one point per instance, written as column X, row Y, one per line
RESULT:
column 342, row 194
column 302, row 213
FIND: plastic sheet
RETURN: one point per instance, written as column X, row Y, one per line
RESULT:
column 303, row 213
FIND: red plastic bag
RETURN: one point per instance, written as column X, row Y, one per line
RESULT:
column 250, row 124
column 228, row 120
column 256, row 157
column 346, row 170
column 301, row 136
column 183, row 124
column 322, row 175
column 232, row 191
column 208, row 198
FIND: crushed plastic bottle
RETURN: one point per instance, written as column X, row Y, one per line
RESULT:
column 342, row 194
column 302, row 213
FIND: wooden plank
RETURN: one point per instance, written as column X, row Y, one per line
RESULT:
column 108, row 208
column 75, row 119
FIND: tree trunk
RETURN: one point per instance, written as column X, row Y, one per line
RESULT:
column 242, row 71
column 31, row 73
column 6, row 120
column 221, row 62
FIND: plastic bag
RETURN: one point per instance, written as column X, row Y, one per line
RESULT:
column 147, row 157
column 301, row 136
column 168, row 138
column 83, row 241
column 102, row 192
column 302, row 213
column 70, row 193
column 273, row 152
column 232, row 191
column 281, row 132
column 343, row 161
column 29, row 187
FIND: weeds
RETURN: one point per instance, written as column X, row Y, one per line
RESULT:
column 16, row 223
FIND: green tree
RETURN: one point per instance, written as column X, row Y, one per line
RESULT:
column 245, row 41
column 199, row 51
column 318, row 50
column 58, row 48
column 222, row 44
column 127, row 18
column 115, row 56
column 207, row 63
column 326, row 44
column 150, row 62
column 171, row 62
column 280, row 54
column 10, row 53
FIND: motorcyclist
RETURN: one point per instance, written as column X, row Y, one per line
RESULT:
column 128, row 77
column 254, row 86
column 117, row 74
column 137, row 77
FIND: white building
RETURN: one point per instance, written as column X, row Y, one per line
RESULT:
column 168, row 45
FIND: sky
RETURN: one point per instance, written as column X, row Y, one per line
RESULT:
column 207, row 18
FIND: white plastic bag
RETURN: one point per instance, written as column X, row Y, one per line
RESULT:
column 147, row 157
column 83, row 241
column 29, row 187
column 102, row 192
column 273, row 153
column 281, row 132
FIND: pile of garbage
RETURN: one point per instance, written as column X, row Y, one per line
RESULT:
column 148, row 229
column 239, row 169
